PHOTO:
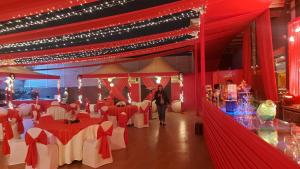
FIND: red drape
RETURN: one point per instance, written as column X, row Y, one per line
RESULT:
column 294, row 50
column 202, row 56
column 265, row 55
column 151, row 85
column 233, row 146
column 116, row 90
column 175, row 91
column 247, row 56
column 135, row 92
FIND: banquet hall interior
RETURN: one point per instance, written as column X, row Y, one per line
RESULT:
column 149, row 84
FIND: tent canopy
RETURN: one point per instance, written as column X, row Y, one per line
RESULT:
column 23, row 73
column 105, row 71
column 157, row 67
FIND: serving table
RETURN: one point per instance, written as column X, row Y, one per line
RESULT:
column 70, row 137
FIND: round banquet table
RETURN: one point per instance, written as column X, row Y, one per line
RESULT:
column 129, row 110
column 70, row 137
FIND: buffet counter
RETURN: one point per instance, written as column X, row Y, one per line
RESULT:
column 240, row 140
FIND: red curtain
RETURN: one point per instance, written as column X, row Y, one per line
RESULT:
column 116, row 90
column 247, row 56
column 265, row 55
column 151, row 85
column 135, row 92
column 175, row 91
column 233, row 146
column 294, row 50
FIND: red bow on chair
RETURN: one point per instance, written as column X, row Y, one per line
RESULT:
column 105, row 115
column 12, row 113
column 122, row 120
column 8, row 134
column 31, row 157
column 146, row 114
column 104, row 145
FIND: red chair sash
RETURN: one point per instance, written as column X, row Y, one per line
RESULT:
column 87, row 107
column 146, row 114
column 8, row 134
column 104, row 145
column 105, row 115
column 38, row 112
column 122, row 120
column 31, row 157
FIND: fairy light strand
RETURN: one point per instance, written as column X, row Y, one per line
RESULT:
column 94, row 36
column 105, row 51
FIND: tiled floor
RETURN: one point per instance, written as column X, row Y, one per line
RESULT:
column 172, row 147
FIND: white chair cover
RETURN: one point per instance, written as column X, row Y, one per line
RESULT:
column 55, row 103
column 117, row 138
column 18, row 150
column 138, row 118
column 113, row 119
column 24, row 109
column 176, row 106
column 47, row 154
column 57, row 112
column 91, row 156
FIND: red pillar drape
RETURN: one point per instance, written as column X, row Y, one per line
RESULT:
column 293, row 63
column 265, row 55
column 196, row 73
column 175, row 91
column 247, row 56
column 202, row 58
column 135, row 92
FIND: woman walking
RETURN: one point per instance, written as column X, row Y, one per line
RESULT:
column 161, row 101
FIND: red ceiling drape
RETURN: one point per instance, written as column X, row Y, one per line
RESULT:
column 265, row 55
column 294, row 50
column 116, row 90
column 247, row 56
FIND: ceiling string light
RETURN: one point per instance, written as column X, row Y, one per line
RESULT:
column 94, row 36
column 105, row 51
column 41, row 19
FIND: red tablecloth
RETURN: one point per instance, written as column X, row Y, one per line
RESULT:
column 129, row 110
column 65, row 132
column 44, row 103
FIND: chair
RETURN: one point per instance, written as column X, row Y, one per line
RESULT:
column 57, row 112
column 97, row 153
column 104, row 112
column 141, row 119
column 24, row 109
column 36, row 112
column 119, row 138
column 113, row 119
column 176, row 106
column 3, row 118
column 14, row 149
column 46, row 156
column 16, row 123
column 54, row 103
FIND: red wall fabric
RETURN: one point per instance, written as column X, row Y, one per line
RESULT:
column 175, row 91
column 188, row 91
column 265, row 55
column 135, row 92
column 233, row 146
column 247, row 56
column 294, row 50
column 221, row 76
